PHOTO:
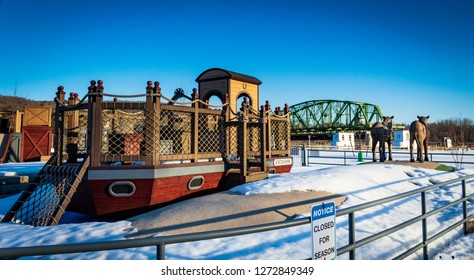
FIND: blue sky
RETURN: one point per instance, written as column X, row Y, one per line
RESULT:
column 409, row 57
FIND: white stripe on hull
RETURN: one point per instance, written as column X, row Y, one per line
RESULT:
column 128, row 174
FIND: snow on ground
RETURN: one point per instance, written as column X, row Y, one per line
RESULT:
column 11, row 169
column 359, row 183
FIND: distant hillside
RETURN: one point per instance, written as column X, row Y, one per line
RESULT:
column 13, row 103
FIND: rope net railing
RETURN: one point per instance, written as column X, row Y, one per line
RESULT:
column 211, row 134
column 73, row 133
column 280, row 135
column 132, row 132
column 173, row 132
column 122, row 132
column 46, row 200
column 161, row 130
column 254, row 140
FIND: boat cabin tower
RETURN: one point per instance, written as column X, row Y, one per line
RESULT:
column 219, row 82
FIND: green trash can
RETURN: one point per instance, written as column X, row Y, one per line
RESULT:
column 361, row 157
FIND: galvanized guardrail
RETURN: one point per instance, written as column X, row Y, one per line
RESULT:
column 161, row 241
column 353, row 244
column 306, row 156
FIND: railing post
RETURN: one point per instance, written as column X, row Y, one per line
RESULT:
column 269, row 128
column 288, row 125
column 278, row 130
column 424, row 226
column 59, row 126
column 195, row 127
column 303, row 155
column 464, row 207
column 243, row 139
column 95, row 122
column 308, row 155
column 351, row 222
column 72, row 130
column 160, row 251
column 263, row 139
column 157, row 106
column 152, row 121
column 227, row 135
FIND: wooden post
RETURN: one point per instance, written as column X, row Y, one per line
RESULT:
column 58, row 126
column 243, row 140
column 288, row 125
column 152, row 121
column 18, row 116
column 72, row 130
column 149, row 126
column 263, row 140
column 195, row 127
column 245, row 106
column 226, row 139
column 278, row 131
column 269, row 128
column 94, row 127
column 157, row 107
column 227, row 109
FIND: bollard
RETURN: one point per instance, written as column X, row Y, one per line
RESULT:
column 303, row 156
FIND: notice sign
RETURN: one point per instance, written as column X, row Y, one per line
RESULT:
column 323, row 231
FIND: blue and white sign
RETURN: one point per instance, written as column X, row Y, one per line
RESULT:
column 323, row 231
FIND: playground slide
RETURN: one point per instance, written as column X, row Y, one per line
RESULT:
column 5, row 140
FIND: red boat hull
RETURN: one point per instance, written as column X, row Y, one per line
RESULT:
column 154, row 186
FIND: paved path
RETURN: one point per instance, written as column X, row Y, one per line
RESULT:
column 227, row 210
column 426, row 164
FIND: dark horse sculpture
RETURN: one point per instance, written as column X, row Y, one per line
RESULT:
column 419, row 133
column 382, row 133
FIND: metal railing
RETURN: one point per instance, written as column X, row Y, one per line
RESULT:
column 310, row 156
column 353, row 244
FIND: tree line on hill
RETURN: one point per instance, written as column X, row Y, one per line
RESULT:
column 13, row 103
column 460, row 130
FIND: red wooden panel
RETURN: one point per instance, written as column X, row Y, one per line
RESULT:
column 36, row 142
column 106, row 204
column 132, row 144
column 148, row 192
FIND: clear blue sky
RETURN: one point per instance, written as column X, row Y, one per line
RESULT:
column 409, row 57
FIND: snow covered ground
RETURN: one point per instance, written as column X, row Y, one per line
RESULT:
column 358, row 182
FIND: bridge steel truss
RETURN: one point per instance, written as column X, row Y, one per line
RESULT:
column 332, row 115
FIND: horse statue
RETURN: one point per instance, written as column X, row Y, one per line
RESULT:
column 419, row 133
column 381, row 133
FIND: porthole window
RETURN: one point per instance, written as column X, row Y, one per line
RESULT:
column 122, row 189
column 195, row 183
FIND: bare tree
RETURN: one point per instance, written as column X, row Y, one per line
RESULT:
column 15, row 99
column 458, row 133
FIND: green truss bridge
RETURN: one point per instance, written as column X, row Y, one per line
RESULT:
column 332, row 115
